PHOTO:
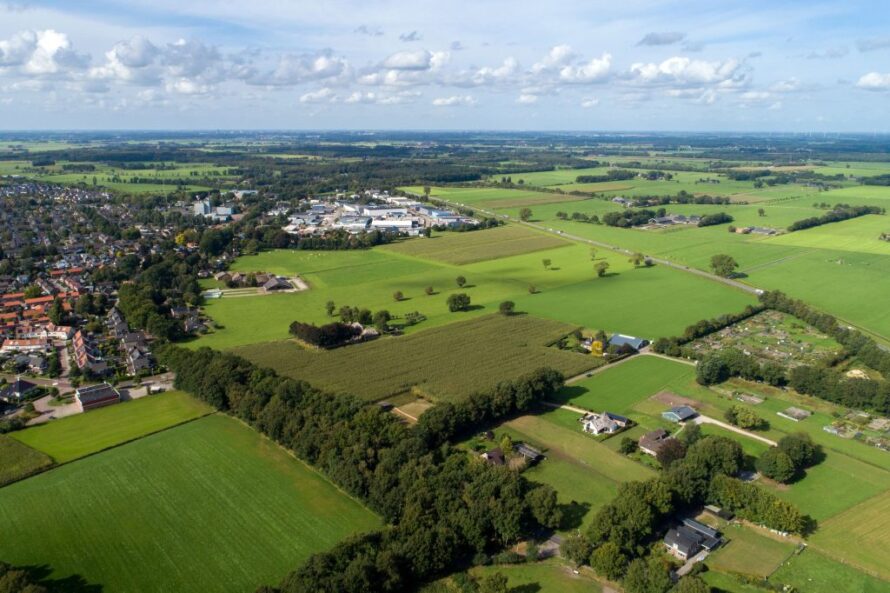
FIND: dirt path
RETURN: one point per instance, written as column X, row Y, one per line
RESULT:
column 708, row 420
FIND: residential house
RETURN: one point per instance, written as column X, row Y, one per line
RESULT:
column 688, row 539
column 605, row 423
column 18, row 390
column 652, row 442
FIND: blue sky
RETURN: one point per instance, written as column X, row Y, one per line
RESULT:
column 483, row 64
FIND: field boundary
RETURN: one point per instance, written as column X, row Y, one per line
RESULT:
column 55, row 464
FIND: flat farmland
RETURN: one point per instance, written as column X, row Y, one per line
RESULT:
column 814, row 572
column 18, row 461
column 466, row 248
column 135, row 518
column 83, row 434
column 549, row 576
column 442, row 363
column 860, row 535
column 492, row 197
column 750, row 552
column 857, row 235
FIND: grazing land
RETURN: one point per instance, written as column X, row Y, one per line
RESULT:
column 18, row 461
column 814, row 572
column 540, row 577
column 750, row 552
column 860, row 535
column 84, row 434
column 151, row 502
column 467, row 248
column 433, row 363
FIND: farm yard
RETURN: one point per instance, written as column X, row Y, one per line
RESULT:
column 433, row 363
column 151, row 502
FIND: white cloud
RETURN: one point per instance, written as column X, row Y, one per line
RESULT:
column 556, row 58
column 454, row 101
column 294, row 69
column 668, row 38
column 591, row 102
column 374, row 98
column 41, row 53
column 874, row 81
column 755, row 96
column 323, row 95
column 185, row 86
column 409, row 60
column 527, row 99
column 595, row 70
column 775, row 106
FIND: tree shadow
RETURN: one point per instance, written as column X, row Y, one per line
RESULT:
column 554, row 268
column 474, row 308
column 527, row 588
column 70, row 584
column 573, row 515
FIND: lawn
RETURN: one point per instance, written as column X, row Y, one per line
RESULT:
column 83, row 434
column 204, row 507
column 18, row 461
column 442, row 363
column 812, row 572
column 860, row 535
column 470, row 247
column 750, row 552
column 549, row 576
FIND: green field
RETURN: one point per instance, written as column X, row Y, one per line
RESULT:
column 433, row 362
column 83, row 434
column 467, row 248
column 750, row 552
column 642, row 301
column 812, row 572
column 18, row 461
column 860, row 535
column 137, row 517
column 548, row 576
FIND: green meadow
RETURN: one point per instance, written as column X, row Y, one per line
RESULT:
column 547, row 576
column 136, row 517
column 76, row 436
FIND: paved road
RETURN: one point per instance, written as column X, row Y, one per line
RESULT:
column 708, row 420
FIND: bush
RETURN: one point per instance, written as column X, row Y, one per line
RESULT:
column 458, row 302
column 507, row 308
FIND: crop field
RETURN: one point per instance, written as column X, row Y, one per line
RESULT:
column 135, row 518
column 492, row 197
column 750, row 552
column 645, row 301
column 18, row 461
column 441, row 363
column 860, row 535
column 547, row 576
column 83, row 434
column 813, row 572
column 466, row 248
column 859, row 235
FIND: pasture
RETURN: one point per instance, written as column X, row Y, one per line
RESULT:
column 467, row 248
column 860, row 535
column 548, row 576
column 18, row 461
column 750, row 552
column 135, row 518
column 646, row 301
column 76, row 436
column 446, row 362
column 814, row 572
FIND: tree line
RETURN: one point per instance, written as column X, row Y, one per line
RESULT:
column 839, row 213
column 443, row 507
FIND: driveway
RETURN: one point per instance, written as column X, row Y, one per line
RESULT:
column 708, row 420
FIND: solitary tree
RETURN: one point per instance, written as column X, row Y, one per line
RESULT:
column 460, row 281
column 601, row 268
column 546, row 262
column 507, row 308
column 637, row 259
column 532, row 289
column 329, row 307
column 724, row 265
column 397, row 295
column 525, row 214
column 761, row 212
column 458, row 302
column 592, row 254
column 429, row 290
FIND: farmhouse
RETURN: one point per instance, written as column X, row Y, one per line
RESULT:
column 17, row 391
column 652, row 442
column 605, row 423
column 686, row 540
column 275, row 284
column 679, row 414
column 96, row 396
column 619, row 340
column 494, row 457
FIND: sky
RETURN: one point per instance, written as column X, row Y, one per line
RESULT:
column 584, row 65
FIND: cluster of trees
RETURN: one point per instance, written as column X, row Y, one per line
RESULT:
column 330, row 335
column 789, row 458
column 717, row 367
column 713, row 219
column 621, row 534
column 681, row 197
column 579, row 217
column 628, row 217
column 484, row 223
column 673, row 346
column 443, row 507
column 744, row 418
column 837, row 214
column 17, row 580
column 875, row 180
column 611, row 175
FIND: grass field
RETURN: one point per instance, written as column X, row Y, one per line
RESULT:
column 466, row 248
column 642, row 301
column 443, row 363
column 548, row 576
column 860, row 535
column 812, row 572
column 18, row 461
column 749, row 552
column 136, row 518
column 83, row 434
